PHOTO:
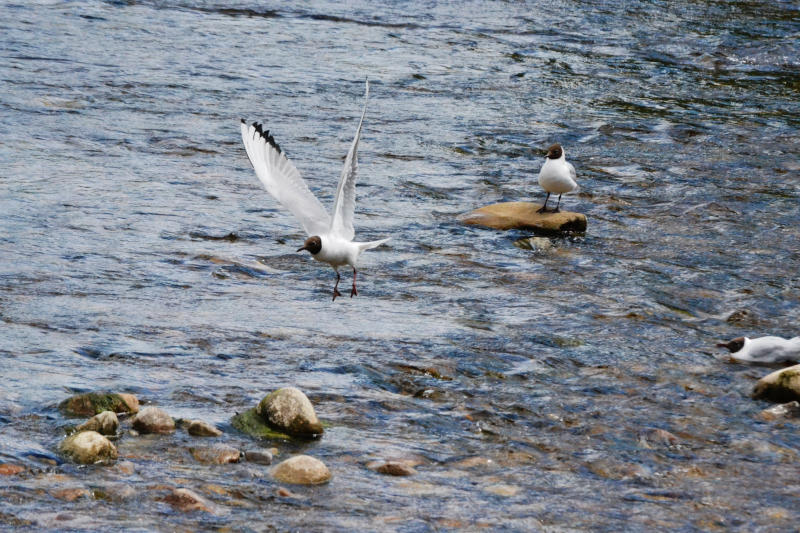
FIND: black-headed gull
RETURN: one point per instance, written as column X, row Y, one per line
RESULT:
column 557, row 176
column 763, row 349
column 330, row 238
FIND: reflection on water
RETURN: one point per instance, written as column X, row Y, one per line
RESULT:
column 139, row 253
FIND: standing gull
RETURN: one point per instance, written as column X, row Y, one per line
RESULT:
column 556, row 176
column 330, row 238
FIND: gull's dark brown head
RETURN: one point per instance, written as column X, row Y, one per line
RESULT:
column 734, row 346
column 554, row 151
column 312, row 244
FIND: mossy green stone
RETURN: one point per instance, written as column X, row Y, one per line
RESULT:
column 93, row 403
column 250, row 423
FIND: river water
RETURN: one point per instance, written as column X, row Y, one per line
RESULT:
column 139, row 253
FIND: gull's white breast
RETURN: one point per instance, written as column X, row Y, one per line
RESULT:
column 555, row 176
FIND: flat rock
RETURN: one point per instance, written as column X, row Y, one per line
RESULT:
column 289, row 410
column 523, row 215
column 186, row 500
column 88, row 447
column 153, row 420
column 93, row 403
column 262, row 457
column 199, row 428
column 392, row 468
column 71, row 494
column 302, row 470
column 219, row 454
column 782, row 411
column 780, row 386
column 105, row 423
column 8, row 469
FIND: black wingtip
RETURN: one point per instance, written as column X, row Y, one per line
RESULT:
column 243, row 122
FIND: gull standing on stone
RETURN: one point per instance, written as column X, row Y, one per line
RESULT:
column 557, row 176
column 763, row 349
column 330, row 238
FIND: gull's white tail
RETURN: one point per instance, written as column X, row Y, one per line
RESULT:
column 369, row 245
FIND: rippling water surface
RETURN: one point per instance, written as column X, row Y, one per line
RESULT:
column 139, row 253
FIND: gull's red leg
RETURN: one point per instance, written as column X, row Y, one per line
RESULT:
column 354, row 292
column 336, row 287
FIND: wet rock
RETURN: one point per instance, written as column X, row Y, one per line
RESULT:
column 116, row 492
column 126, row 467
column 302, row 470
column 153, row 420
column 251, row 423
column 88, row 447
column 198, row 428
column 656, row 437
column 71, row 494
column 93, row 403
column 523, row 215
column 105, row 423
column 782, row 411
column 8, row 469
column 391, row 468
column 262, row 457
column 780, row 386
column 186, row 501
column 501, row 489
column 285, row 493
column 289, row 410
column 219, row 454
column 534, row 243
column 743, row 317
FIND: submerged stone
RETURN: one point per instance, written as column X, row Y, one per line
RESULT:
column 153, row 420
column 262, row 457
column 289, row 410
column 199, row 428
column 93, row 403
column 782, row 411
column 392, row 468
column 186, row 500
column 219, row 454
column 780, row 386
column 105, row 423
column 251, row 423
column 302, row 470
column 523, row 215
column 88, row 447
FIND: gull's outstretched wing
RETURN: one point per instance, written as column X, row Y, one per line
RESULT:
column 345, row 202
column 282, row 180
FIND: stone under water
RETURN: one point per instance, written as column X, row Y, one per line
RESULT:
column 523, row 215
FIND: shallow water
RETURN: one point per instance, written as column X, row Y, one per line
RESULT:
column 139, row 253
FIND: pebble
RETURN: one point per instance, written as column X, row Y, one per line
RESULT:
column 199, row 428
column 219, row 454
column 105, row 423
column 186, row 500
column 153, row 420
column 784, row 410
column 302, row 470
column 391, row 468
column 652, row 437
column 70, row 494
column 8, row 469
column 289, row 410
column 262, row 457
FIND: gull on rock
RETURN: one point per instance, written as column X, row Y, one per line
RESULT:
column 763, row 349
column 557, row 176
column 330, row 237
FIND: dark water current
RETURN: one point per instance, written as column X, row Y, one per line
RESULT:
column 139, row 253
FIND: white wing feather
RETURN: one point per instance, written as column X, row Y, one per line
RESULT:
column 574, row 176
column 282, row 180
column 345, row 202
